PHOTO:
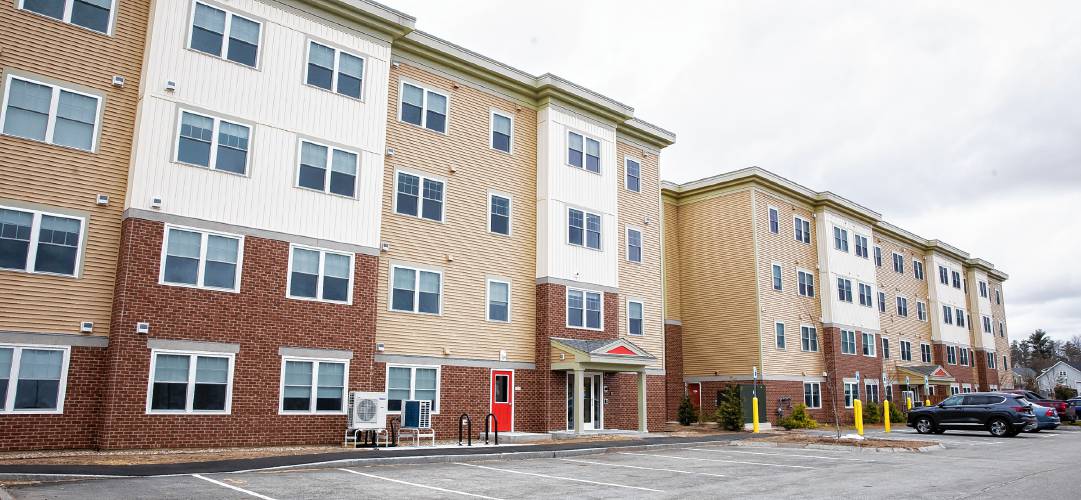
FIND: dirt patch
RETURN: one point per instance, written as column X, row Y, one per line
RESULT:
column 806, row 439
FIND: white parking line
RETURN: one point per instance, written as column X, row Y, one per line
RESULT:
column 780, row 454
column 242, row 490
column 560, row 477
column 640, row 467
column 716, row 460
column 444, row 490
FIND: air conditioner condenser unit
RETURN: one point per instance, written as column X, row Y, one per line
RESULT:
column 367, row 410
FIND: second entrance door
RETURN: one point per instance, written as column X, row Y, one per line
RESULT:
column 592, row 401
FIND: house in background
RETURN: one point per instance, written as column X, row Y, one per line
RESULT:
column 1061, row 373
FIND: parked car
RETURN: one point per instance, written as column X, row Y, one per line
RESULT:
column 1072, row 406
column 1001, row 414
column 1046, row 418
column 1032, row 397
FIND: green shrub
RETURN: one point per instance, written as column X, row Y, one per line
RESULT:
column 730, row 409
column 896, row 415
column 799, row 419
column 687, row 412
column 1064, row 392
column 872, row 413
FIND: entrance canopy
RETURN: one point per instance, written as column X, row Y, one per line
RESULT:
column 935, row 374
column 617, row 355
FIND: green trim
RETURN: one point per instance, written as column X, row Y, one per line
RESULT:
column 385, row 26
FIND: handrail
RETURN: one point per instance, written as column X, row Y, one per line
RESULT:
column 468, row 433
column 495, row 426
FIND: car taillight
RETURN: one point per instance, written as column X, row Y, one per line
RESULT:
column 1021, row 409
column 1050, row 412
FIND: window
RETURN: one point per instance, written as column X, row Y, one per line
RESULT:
column 917, row 269
column 803, row 230
column 921, row 311
column 499, row 214
column 423, row 107
column 871, row 386
column 806, row 282
column 33, row 379
column 960, row 317
column 184, row 382
column 313, row 386
column 848, row 342
column 840, row 239
column 868, row 344
column 943, row 275
column 866, row 296
column 882, row 302
column 776, row 273
column 902, row 307
column 906, row 350
column 50, row 113
column 498, row 300
column 778, row 329
column 987, row 325
column 808, row 338
column 885, row 348
column 585, row 309
column 983, row 289
column 861, row 245
column 925, row 353
column 223, row 34
column 90, row 14
column 335, row 70
column 634, row 175
column 954, row 391
column 634, row 245
column 40, row 242
column 844, row 290
column 314, row 161
column 583, row 229
column 634, row 317
column 320, row 275
column 583, row 152
column 774, row 222
column 1005, row 362
column 947, row 314
column 951, row 355
column 964, row 356
column 416, row 290
column 998, row 296
column 412, row 383
column 852, row 393
column 1001, row 329
column 213, row 143
column 412, row 200
column 502, row 132
column 991, row 360
column 898, row 263
column 878, row 256
column 812, row 394
column 201, row 259
column 956, row 279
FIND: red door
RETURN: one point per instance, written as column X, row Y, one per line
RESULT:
column 694, row 391
column 503, row 399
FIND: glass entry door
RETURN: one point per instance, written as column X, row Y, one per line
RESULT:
column 592, row 401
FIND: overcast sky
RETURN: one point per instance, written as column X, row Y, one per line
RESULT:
column 956, row 120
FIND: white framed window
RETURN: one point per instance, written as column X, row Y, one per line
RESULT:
column 805, row 281
column 917, row 269
column 848, row 342
column 921, row 311
column 898, row 263
column 212, row 142
column 502, row 132
column 866, row 295
column 416, row 290
column 317, row 274
column 947, row 314
column 943, row 275
column 987, row 324
column 956, row 279
column 39, row 242
column 583, row 152
column 583, row 229
column 635, row 311
column 201, row 259
column 633, row 179
column 313, row 385
column 499, row 209
column 868, row 344
column 951, row 355
column 882, row 302
column 775, row 273
column 419, row 196
column 861, row 245
column 226, row 35
column 423, row 107
column 964, row 356
column 634, row 244
column 885, row 348
column 808, row 338
column 878, row 256
column 998, row 296
column 50, row 113
column 840, row 239
column 852, row 393
column 844, row 290
column 190, row 382
column 802, row 229
column 812, row 394
column 983, row 289
column 925, row 353
column 902, row 307
column 94, row 15
column 778, row 330
column 335, row 70
column 406, row 383
column 960, row 317
column 774, row 220
column 33, row 378
column 906, row 350
column 498, row 305
column 870, row 387
column 327, row 169
column 955, row 389
column 585, row 309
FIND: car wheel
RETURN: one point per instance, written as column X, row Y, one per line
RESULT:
column 925, row 426
column 999, row 427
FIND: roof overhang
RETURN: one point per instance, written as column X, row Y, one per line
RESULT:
column 617, row 355
column 934, row 373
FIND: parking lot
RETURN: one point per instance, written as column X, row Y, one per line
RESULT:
column 973, row 465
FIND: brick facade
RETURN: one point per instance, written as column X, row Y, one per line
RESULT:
column 965, row 374
column 985, row 376
column 673, row 368
column 840, row 366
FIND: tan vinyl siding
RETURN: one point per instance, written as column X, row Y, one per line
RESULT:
column 998, row 314
column 462, row 328
column 639, row 281
column 896, row 327
column 38, row 175
column 672, row 288
column 787, row 305
column 718, row 303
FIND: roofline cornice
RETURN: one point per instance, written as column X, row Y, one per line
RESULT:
column 374, row 16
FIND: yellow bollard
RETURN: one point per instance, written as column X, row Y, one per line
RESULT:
column 927, row 402
column 754, row 414
column 886, row 415
column 908, row 401
column 857, row 407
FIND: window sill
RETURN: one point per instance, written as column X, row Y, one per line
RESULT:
column 209, row 169
column 311, row 413
column 185, row 412
column 59, row 411
column 97, row 132
column 230, row 61
column 583, row 247
column 410, row 216
column 339, row 94
column 421, row 127
column 497, row 150
column 327, row 193
column 584, row 169
column 601, row 329
column 402, row 311
column 197, row 287
column 40, row 273
column 112, row 22
column 501, row 235
column 313, row 299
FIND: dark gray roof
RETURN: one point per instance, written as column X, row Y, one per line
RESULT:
column 924, row 369
column 593, row 345
column 1022, row 371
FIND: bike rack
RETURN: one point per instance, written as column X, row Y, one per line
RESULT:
column 468, row 433
column 495, row 427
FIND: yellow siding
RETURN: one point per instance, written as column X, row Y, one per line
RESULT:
column 46, row 176
column 462, row 329
column 1002, row 343
column 896, row 327
column 641, row 281
column 672, row 281
column 786, row 305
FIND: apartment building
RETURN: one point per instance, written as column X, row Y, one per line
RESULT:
column 71, row 74
column 819, row 298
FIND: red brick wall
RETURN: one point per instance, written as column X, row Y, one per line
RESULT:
column 965, row 374
column 259, row 318
column 985, row 376
column 841, row 366
column 673, row 369
column 78, row 426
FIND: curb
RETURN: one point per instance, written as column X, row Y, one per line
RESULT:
column 838, row 447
